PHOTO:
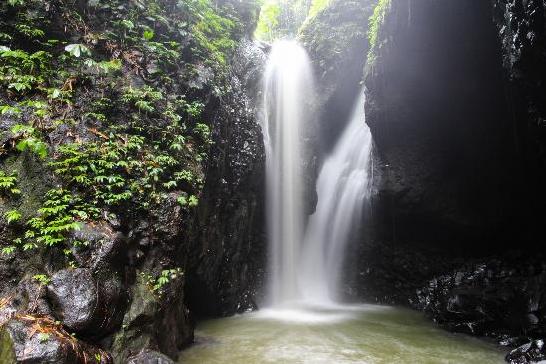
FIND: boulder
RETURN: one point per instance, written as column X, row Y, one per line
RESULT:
column 154, row 320
column 532, row 352
column 84, row 304
column 498, row 298
column 102, row 248
column 26, row 339
column 149, row 357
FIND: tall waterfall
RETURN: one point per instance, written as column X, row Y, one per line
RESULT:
column 306, row 264
column 288, row 88
column 343, row 187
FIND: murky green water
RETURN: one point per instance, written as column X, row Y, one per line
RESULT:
column 358, row 334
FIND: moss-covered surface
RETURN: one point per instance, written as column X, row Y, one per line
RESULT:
column 107, row 117
column 7, row 354
column 103, row 107
column 337, row 42
column 335, row 33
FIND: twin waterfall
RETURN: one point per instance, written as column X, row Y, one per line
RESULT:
column 306, row 262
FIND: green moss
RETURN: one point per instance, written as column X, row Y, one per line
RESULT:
column 334, row 34
column 97, row 92
column 268, row 23
column 375, row 23
column 7, row 352
column 317, row 6
column 283, row 18
column 33, row 180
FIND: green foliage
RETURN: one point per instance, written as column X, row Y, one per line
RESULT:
column 43, row 337
column 118, row 148
column 12, row 216
column 202, row 131
column 317, row 6
column 22, row 72
column 268, row 23
column 148, row 34
column 115, row 172
column 42, row 279
column 213, row 29
column 8, row 250
column 16, row 2
column 8, row 184
column 375, row 23
column 284, row 18
column 77, row 50
column 56, row 220
column 185, row 201
column 166, row 276
column 105, row 67
column 144, row 99
column 29, row 140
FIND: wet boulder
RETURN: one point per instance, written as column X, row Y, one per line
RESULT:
column 26, row 339
column 84, row 304
column 149, row 357
column 102, row 246
column 498, row 297
column 532, row 352
column 154, row 321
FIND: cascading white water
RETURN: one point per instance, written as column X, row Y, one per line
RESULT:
column 306, row 268
column 343, row 186
column 287, row 89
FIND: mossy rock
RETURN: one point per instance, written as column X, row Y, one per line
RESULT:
column 7, row 353
column 34, row 179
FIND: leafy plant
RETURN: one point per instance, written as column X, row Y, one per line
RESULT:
column 165, row 277
column 8, row 250
column 143, row 99
column 16, row 2
column 12, row 216
column 375, row 23
column 22, row 72
column 42, row 279
column 267, row 28
column 28, row 140
column 55, row 220
column 77, row 50
column 43, row 337
column 8, row 184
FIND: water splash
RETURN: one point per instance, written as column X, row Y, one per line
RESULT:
column 288, row 87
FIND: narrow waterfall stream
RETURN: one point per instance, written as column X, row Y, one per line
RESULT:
column 304, row 320
column 343, row 187
column 287, row 87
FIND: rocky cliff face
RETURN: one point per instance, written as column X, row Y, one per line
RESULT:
column 337, row 42
column 227, row 255
column 521, row 31
column 131, row 164
column 437, row 111
column 456, row 113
